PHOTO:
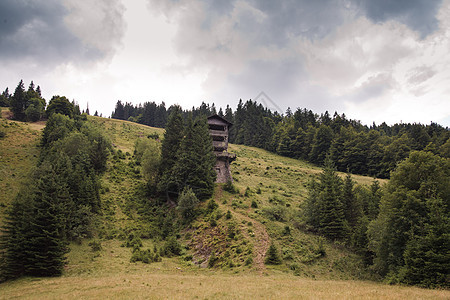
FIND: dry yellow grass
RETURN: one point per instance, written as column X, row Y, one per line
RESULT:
column 177, row 285
column 18, row 155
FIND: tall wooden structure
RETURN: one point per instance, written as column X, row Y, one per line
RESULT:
column 219, row 131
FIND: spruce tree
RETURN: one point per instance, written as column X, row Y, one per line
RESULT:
column 13, row 237
column 45, row 245
column 325, row 209
column 410, row 234
column 169, row 151
column 202, row 180
column 352, row 209
column 195, row 159
column 19, row 101
column 272, row 256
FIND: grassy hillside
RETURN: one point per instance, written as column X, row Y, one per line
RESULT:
column 265, row 209
column 18, row 155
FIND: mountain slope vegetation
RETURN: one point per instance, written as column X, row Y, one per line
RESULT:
column 231, row 233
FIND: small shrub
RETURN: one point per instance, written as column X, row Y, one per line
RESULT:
column 95, row 246
column 230, row 188
column 212, row 260
column 228, row 215
column 231, row 230
column 132, row 241
column 248, row 192
column 172, row 247
column 272, row 256
column 254, row 204
column 212, row 205
column 275, row 213
column 320, row 250
column 249, row 261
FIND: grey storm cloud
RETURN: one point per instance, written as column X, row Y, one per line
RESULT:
column 258, row 43
column 43, row 32
column 419, row 15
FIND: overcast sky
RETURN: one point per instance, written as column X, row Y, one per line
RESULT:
column 384, row 60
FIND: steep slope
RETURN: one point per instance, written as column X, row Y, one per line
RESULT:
column 18, row 155
column 270, row 191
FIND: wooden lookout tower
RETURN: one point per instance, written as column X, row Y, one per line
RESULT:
column 219, row 129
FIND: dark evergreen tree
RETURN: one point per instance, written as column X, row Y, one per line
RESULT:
column 321, row 144
column 324, row 207
column 195, row 159
column 352, row 208
column 169, row 151
column 18, row 102
column 13, row 237
column 45, row 246
column 332, row 222
column 5, row 98
column 413, row 209
column 272, row 256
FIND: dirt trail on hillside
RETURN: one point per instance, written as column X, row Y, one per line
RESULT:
column 262, row 242
column 261, row 237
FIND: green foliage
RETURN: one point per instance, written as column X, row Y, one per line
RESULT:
column 254, row 204
column 132, row 241
column 187, row 204
column 324, row 207
column 146, row 256
column 212, row 206
column 58, row 126
column 275, row 213
column 96, row 246
column 212, row 260
column 411, row 231
column 230, row 188
column 35, row 110
column 60, row 105
column 195, row 160
column 148, row 154
column 272, row 256
column 172, row 247
column 169, row 150
column 5, row 98
column 60, row 202
column 18, row 102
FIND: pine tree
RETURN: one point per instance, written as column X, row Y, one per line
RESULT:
column 352, row 209
column 169, row 150
column 202, row 180
column 325, row 209
column 13, row 237
column 272, row 256
column 409, row 235
column 195, row 159
column 45, row 245
column 18, row 102
column 427, row 260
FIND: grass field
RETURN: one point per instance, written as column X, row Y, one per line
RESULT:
column 270, row 193
column 18, row 155
column 179, row 285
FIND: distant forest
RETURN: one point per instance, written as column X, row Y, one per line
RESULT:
column 360, row 149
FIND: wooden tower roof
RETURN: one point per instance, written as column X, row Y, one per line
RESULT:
column 219, row 119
